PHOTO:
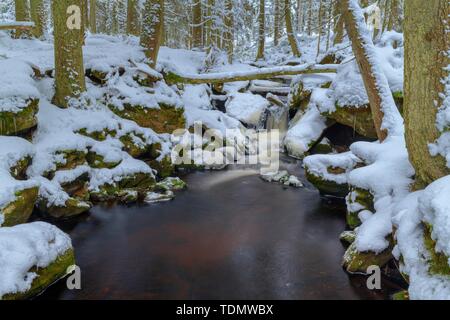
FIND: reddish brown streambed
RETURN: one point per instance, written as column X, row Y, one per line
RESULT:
column 229, row 236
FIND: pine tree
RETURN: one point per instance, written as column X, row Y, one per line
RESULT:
column 38, row 17
column 261, row 30
column 290, row 30
column 22, row 14
column 132, row 18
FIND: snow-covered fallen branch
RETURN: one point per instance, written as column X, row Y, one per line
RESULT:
column 264, row 73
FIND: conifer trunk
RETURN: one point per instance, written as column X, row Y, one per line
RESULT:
column 261, row 30
column 69, row 69
column 426, row 43
column 290, row 30
column 132, row 18
column 22, row 14
column 38, row 17
column 152, row 29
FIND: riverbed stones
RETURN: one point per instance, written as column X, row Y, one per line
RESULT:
column 282, row 177
column 153, row 197
column 171, row 183
column 358, row 200
column 71, row 207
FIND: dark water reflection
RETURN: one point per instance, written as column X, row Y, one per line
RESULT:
column 229, row 236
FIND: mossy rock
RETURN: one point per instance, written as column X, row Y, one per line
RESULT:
column 401, row 295
column 73, row 158
column 348, row 237
column 19, row 123
column 327, row 187
column 97, row 76
column 359, row 118
column 45, row 276
column 361, row 197
column 170, row 183
column 145, row 79
column 323, row 147
column 136, row 150
column 438, row 263
column 358, row 262
column 128, row 195
column 19, row 170
column 97, row 135
column 299, row 96
column 139, row 182
column 330, row 59
column 20, row 210
column 398, row 98
column 78, row 188
column 166, row 119
column 72, row 207
column 165, row 168
column 98, row 161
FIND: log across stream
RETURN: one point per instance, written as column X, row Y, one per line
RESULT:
column 230, row 235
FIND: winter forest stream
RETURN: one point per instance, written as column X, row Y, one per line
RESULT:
column 230, row 235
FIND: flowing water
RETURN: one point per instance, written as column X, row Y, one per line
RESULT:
column 230, row 235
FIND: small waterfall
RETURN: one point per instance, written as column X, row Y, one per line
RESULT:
column 277, row 117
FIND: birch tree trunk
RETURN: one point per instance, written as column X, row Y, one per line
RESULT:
column 152, row 29
column 69, row 69
column 38, row 17
column 426, row 42
column 261, row 30
column 22, row 14
column 290, row 30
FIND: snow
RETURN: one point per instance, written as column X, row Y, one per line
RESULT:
column 246, row 107
column 24, row 246
column 12, row 149
column 16, row 85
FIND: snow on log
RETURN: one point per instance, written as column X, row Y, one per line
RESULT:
column 21, row 25
column 263, row 73
column 385, row 114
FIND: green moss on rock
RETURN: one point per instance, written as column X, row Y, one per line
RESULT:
column 327, row 187
column 19, row 211
column 438, row 262
column 359, row 118
column 359, row 197
column 166, row 119
column 19, row 170
column 46, row 276
column 401, row 295
column 20, row 123
column 71, row 208
column 98, row 161
column 358, row 262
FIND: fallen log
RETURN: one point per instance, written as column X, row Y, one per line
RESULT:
column 257, row 74
column 18, row 25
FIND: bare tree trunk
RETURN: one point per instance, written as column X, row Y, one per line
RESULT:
column 393, row 15
column 339, row 23
column 261, row 30
column 426, row 44
column 132, row 18
column 300, row 16
column 310, row 18
column 38, row 17
column 197, row 23
column 229, row 26
column 276, row 29
column 93, row 15
column 152, row 28
column 22, row 14
column 292, row 38
column 319, row 38
column 69, row 69
column 361, row 45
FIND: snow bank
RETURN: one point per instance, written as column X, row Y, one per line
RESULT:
column 302, row 135
column 246, row 107
column 16, row 85
column 24, row 246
